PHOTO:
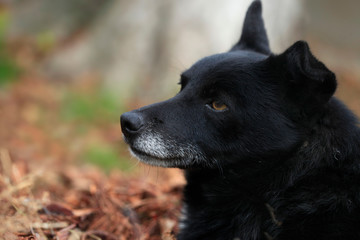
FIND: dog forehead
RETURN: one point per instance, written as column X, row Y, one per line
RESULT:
column 222, row 64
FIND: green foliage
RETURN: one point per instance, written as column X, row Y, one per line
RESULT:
column 46, row 41
column 92, row 109
column 97, row 107
column 107, row 158
column 8, row 69
column 4, row 20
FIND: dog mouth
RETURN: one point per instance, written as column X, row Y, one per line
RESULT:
column 138, row 152
column 157, row 150
column 161, row 161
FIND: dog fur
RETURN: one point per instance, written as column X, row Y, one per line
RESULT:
column 268, row 152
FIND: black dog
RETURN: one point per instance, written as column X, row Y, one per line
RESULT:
column 268, row 152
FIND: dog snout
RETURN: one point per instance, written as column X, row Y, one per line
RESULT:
column 131, row 123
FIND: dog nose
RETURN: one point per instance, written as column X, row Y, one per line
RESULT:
column 131, row 122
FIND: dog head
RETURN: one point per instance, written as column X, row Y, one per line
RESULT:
column 234, row 107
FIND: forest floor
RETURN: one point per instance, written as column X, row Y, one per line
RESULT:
column 65, row 172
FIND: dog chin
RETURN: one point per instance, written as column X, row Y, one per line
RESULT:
column 159, row 161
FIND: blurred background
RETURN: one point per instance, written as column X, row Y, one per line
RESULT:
column 89, row 61
column 69, row 68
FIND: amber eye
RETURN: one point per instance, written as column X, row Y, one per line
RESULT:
column 218, row 106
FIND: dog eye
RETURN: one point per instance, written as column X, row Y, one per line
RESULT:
column 218, row 106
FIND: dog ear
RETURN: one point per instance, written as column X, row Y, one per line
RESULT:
column 253, row 36
column 308, row 81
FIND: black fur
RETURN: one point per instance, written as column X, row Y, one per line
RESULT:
column 280, row 161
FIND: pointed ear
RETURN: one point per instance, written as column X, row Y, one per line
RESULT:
column 307, row 81
column 253, row 36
